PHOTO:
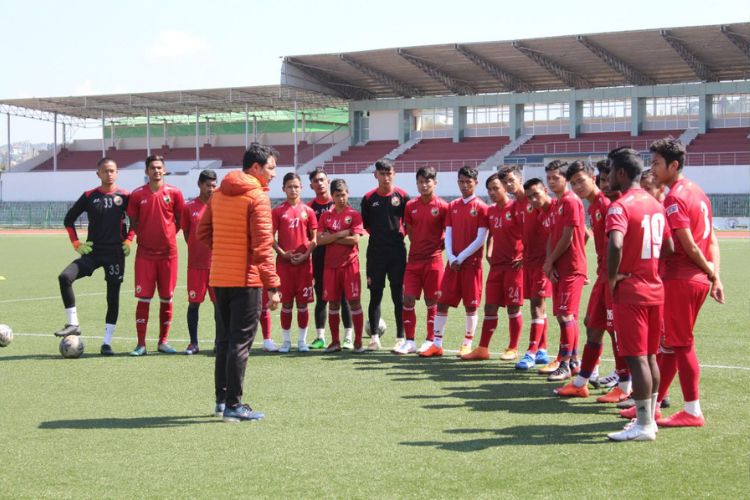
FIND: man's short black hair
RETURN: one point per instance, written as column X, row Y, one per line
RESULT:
column 626, row 159
column 560, row 165
column 152, row 158
column 427, row 173
column 258, row 153
column 339, row 185
column 603, row 166
column 318, row 170
column 506, row 170
column 104, row 160
column 578, row 166
column 670, row 149
column 206, row 175
column 289, row 176
column 493, row 177
column 531, row 183
column 384, row 165
column 468, row 171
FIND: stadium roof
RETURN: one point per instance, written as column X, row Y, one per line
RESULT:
column 646, row 57
column 178, row 102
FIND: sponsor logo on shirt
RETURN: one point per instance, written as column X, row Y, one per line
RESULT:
column 376, row 204
column 415, row 211
column 672, row 209
column 615, row 211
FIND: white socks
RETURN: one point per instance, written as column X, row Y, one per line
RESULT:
column 472, row 319
column 72, row 316
column 286, row 336
column 109, row 330
column 320, row 333
column 693, row 408
column 303, row 335
column 440, row 321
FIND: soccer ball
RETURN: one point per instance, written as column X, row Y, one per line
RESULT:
column 71, row 346
column 381, row 327
column 6, row 335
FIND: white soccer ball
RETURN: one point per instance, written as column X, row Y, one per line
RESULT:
column 381, row 327
column 71, row 346
column 6, row 335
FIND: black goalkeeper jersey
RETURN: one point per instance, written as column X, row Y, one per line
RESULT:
column 319, row 253
column 383, row 217
column 106, row 213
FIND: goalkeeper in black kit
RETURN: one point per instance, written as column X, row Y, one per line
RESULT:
column 106, row 246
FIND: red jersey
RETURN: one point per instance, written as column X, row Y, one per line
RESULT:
column 338, row 255
column 294, row 226
column 426, row 222
column 465, row 218
column 641, row 219
column 688, row 207
column 536, row 226
column 569, row 213
column 199, row 255
column 158, row 220
column 506, row 231
column 598, row 214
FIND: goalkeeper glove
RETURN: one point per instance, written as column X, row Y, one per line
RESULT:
column 83, row 247
column 126, row 247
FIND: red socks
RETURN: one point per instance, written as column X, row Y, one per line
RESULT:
column 333, row 324
column 303, row 317
column 431, row 310
column 567, row 338
column 515, row 325
column 265, row 322
column 535, row 334
column 488, row 328
column 286, row 318
column 689, row 372
column 165, row 319
column 141, row 321
column 358, row 321
column 409, row 318
column 591, row 354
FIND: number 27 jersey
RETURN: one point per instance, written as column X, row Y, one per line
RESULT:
column 642, row 221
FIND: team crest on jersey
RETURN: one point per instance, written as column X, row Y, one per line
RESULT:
column 473, row 212
column 598, row 216
column 347, row 219
column 434, row 212
column 508, row 215
column 192, row 294
column 117, row 200
column 304, row 215
column 395, row 201
column 529, row 208
column 560, row 210
column 167, row 199
column 138, row 289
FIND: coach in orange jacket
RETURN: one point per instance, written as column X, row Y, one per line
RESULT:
column 237, row 227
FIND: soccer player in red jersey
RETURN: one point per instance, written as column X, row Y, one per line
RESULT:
column 320, row 204
column 637, row 231
column 425, row 225
column 339, row 230
column 155, row 210
column 296, row 226
column 649, row 184
column 690, row 274
column 599, row 312
column 565, row 266
column 465, row 231
column 199, row 256
column 106, row 246
column 505, row 281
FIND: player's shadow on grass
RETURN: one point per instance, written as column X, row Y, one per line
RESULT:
column 128, row 423
column 533, row 435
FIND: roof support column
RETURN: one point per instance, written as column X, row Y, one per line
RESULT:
column 637, row 115
column 459, row 123
column 197, row 139
column 255, row 128
column 164, row 134
column 516, row 121
column 247, row 127
column 104, row 146
column 7, row 166
column 404, row 126
column 705, row 102
column 576, row 116
column 148, row 132
column 54, row 145
column 64, row 130
column 112, row 132
column 296, row 142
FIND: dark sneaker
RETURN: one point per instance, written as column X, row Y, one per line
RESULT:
column 106, row 350
column 332, row 347
column 192, row 349
column 562, row 373
column 219, row 409
column 68, row 330
column 241, row 412
column 665, row 403
column 166, row 348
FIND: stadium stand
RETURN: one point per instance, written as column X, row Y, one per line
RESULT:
column 445, row 155
column 358, row 158
column 601, row 142
column 720, row 146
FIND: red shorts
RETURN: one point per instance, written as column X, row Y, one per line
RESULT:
column 536, row 284
column 296, row 283
column 599, row 310
column 424, row 275
column 638, row 328
column 462, row 285
column 504, row 286
column 566, row 295
column 342, row 280
column 197, row 285
column 151, row 275
column 682, row 302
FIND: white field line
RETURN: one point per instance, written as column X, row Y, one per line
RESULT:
column 718, row 367
column 57, row 297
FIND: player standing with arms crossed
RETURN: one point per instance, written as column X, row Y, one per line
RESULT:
column 295, row 225
column 637, row 230
column 383, row 217
column 690, row 274
column 465, row 232
column 107, row 244
column 199, row 256
column 425, row 225
column 155, row 210
column 320, row 204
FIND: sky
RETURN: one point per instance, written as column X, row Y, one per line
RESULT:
column 79, row 47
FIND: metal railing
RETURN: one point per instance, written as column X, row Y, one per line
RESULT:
column 713, row 159
column 582, row 146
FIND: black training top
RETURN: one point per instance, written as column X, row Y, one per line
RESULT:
column 106, row 212
column 383, row 217
column 319, row 253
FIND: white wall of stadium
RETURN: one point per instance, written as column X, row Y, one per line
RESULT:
column 68, row 186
